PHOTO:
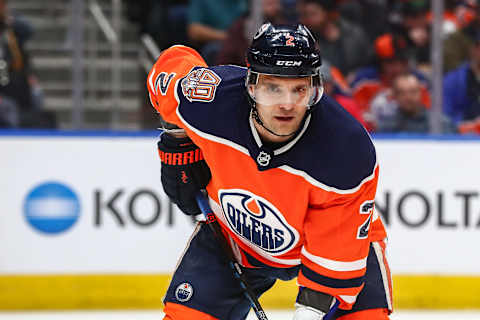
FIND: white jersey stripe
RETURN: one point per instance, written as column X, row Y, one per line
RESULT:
column 383, row 270
column 286, row 147
column 197, row 229
column 320, row 185
column 212, row 137
column 289, row 169
column 334, row 264
column 348, row 299
column 150, row 82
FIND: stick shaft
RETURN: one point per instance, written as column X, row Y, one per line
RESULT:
column 237, row 271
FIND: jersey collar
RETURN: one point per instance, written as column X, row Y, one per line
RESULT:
column 285, row 147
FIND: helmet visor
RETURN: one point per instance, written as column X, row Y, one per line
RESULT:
column 272, row 90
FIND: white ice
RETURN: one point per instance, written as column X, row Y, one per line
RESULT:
column 272, row 315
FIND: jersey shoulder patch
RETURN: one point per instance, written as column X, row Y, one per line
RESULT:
column 200, row 85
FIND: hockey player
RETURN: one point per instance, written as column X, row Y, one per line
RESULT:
column 290, row 176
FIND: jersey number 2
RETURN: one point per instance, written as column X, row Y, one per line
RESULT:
column 366, row 208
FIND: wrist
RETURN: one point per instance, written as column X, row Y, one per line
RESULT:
column 175, row 140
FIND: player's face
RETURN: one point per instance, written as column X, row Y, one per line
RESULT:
column 281, row 104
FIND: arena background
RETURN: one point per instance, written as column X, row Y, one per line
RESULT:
column 84, row 223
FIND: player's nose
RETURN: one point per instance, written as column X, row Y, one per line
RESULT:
column 288, row 101
column 287, row 106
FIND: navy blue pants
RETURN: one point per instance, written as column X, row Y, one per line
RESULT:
column 204, row 281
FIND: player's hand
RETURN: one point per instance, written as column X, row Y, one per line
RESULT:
column 183, row 171
column 307, row 313
column 313, row 305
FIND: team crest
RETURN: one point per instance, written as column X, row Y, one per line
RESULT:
column 257, row 221
column 200, row 85
column 184, row 292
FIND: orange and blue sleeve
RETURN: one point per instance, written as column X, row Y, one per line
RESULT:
column 171, row 66
column 337, row 242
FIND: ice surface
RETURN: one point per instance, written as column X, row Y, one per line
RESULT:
column 272, row 315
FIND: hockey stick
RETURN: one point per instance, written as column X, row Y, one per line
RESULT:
column 237, row 271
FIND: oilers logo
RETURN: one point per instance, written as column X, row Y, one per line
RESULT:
column 257, row 221
column 184, row 292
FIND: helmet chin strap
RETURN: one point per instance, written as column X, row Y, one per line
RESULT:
column 258, row 120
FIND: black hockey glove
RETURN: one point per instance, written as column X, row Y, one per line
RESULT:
column 313, row 305
column 184, row 171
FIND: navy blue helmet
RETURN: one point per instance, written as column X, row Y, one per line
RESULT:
column 284, row 51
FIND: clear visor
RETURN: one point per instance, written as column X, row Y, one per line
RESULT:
column 275, row 90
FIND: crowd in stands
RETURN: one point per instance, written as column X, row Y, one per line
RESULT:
column 21, row 98
column 376, row 54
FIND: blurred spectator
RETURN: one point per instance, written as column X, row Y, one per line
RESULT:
column 465, row 12
column 461, row 92
column 371, row 15
column 208, row 21
column 457, row 46
column 341, row 42
column 290, row 11
column 164, row 20
column 451, row 20
column 414, row 25
column 414, row 28
column 336, row 86
column 408, row 113
column 377, row 79
column 20, row 96
column 235, row 45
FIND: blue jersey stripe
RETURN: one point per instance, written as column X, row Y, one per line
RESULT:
column 331, row 282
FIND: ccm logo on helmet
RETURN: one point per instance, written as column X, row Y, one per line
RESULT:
column 289, row 63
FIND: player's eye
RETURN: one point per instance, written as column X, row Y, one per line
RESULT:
column 272, row 88
column 301, row 89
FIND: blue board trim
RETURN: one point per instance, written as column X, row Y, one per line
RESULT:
column 156, row 133
column 425, row 137
column 79, row 133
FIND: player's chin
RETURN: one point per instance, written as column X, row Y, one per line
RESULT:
column 286, row 130
column 289, row 126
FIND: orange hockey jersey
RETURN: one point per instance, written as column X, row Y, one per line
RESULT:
column 308, row 203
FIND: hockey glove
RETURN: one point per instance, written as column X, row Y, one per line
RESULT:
column 184, row 171
column 307, row 313
column 313, row 305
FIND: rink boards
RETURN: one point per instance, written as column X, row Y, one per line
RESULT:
column 85, row 223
